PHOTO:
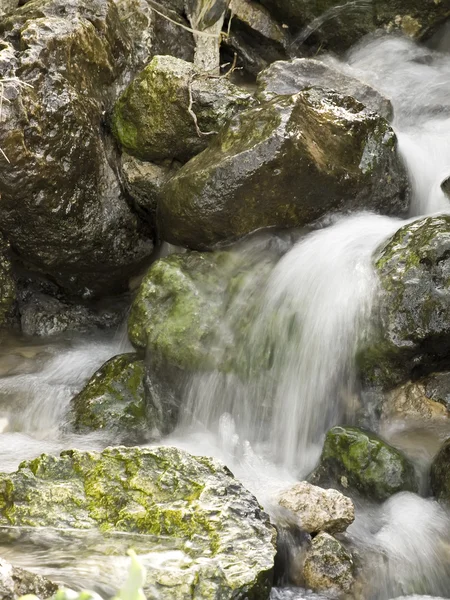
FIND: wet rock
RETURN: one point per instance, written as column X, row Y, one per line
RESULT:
column 255, row 36
column 144, row 182
column 61, row 205
column 440, row 473
column 355, row 459
column 7, row 6
column 176, row 311
column 155, row 118
column 15, row 582
column 7, row 284
column 336, row 25
column 328, row 566
column 437, row 388
column 318, row 509
column 342, row 155
column 414, row 269
column 114, row 400
column 290, row 77
column 414, row 401
column 159, row 491
column 42, row 315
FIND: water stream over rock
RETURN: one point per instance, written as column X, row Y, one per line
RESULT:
column 315, row 308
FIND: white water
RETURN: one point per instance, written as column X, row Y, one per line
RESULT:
column 315, row 307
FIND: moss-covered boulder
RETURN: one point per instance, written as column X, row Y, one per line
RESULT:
column 285, row 164
column 229, row 544
column 7, row 284
column 170, row 110
column 287, row 77
column 440, row 473
column 414, row 272
column 328, row 566
column 336, row 25
column 356, row 459
column 114, row 400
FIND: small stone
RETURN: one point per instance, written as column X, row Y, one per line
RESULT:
column 411, row 401
column 15, row 582
column 328, row 567
column 319, row 509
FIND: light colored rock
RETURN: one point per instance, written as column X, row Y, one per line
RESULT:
column 328, row 567
column 319, row 509
column 15, row 581
column 411, row 401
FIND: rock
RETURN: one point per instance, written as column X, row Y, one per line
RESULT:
column 343, row 156
column 318, row 509
column 285, row 78
column 15, row 582
column 255, row 36
column 152, row 119
column 7, row 285
column 335, row 25
column 355, row 459
column 144, row 182
column 61, row 205
column 440, row 473
column 437, row 388
column 114, row 400
column 414, row 401
column 414, row 269
column 328, row 567
column 44, row 316
column 7, row 6
column 226, row 542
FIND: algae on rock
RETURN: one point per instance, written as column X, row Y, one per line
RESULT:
column 356, row 459
column 285, row 164
column 158, row 491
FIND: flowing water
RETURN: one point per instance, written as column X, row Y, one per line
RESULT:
column 314, row 304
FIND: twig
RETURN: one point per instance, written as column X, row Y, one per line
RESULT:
column 200, row 133
column 194, row 31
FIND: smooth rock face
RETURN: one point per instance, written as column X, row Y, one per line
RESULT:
column 61, row 206
column 15, row 582
column 337, row 25
column 328, row 567
column 7, row 284
column 152, row 120
column 284, row 78
column 160, row 491
column 355, row 459
column 113, row 399
column 440, row 473
column 318, row 509
column 414, row 271
column 285, row 164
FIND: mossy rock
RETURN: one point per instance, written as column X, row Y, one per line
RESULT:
column 229, row 541
column 414, row 333
column 284, row 164
column 440, row 473
column 345, row 25
column 357, row 460
column 152, row 119
column 328, row 566
column 114, row 399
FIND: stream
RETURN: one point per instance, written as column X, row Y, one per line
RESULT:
column 270, row 433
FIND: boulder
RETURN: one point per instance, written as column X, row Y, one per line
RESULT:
column 440, row 473
column 15, row 582
column 285, row 164
column 318, row 509
column 61, row 206
column 7, row 284
column 413, row 268
column 357, row 460
column 225, row 542
column 337, row 25
column 328, row 566
column 287, row 77
column 171, row 109
column 114, row 400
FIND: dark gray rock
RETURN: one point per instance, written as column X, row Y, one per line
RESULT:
column 285, row 164
column 440, row 473
column 290, row 77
